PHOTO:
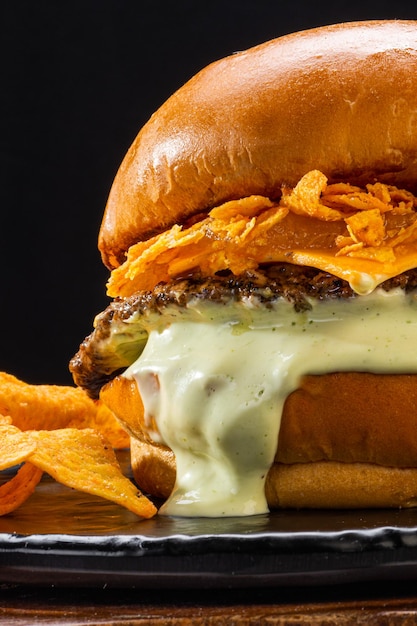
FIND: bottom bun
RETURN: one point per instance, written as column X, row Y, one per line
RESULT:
column 347, row 440
column 320, row 485
column 334, row 485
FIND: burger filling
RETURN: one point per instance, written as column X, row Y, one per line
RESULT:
column 363, row 236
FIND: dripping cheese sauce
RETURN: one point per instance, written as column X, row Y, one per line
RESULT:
column 215, row 382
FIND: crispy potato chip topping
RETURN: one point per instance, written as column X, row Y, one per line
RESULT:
column 370, row 230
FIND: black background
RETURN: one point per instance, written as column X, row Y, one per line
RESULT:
column 78, row 79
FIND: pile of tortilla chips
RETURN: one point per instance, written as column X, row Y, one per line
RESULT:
column 60, row 431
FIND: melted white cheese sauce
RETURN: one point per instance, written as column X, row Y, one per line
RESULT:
column 216, row 391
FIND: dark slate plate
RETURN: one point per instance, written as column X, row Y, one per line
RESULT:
column 62, row 537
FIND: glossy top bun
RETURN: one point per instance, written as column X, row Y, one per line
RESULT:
column 341, row 99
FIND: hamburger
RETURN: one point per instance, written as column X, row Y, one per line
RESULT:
column 261, row 237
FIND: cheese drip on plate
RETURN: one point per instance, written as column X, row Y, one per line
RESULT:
column 215, row 385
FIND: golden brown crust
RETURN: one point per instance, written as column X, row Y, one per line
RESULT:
column 338, row 447
column 333, row 485
column 341, row 99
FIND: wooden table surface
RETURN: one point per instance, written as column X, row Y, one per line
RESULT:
column 387, row 603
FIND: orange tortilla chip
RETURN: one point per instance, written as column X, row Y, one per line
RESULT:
column 305, row 198
column 405, row 235
column 84, row 460
column 81, row 459
column 216, row 243
column 380, row 191
column 245, row 207
column 107, row 424
column 356, row 201
column 47, row 407
column 15, row 446
column 46, row 429
column 18, row 489
column 367, row 226
column 401, row 200
column 382, row 254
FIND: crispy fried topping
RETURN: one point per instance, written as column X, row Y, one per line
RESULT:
column 371, row 230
